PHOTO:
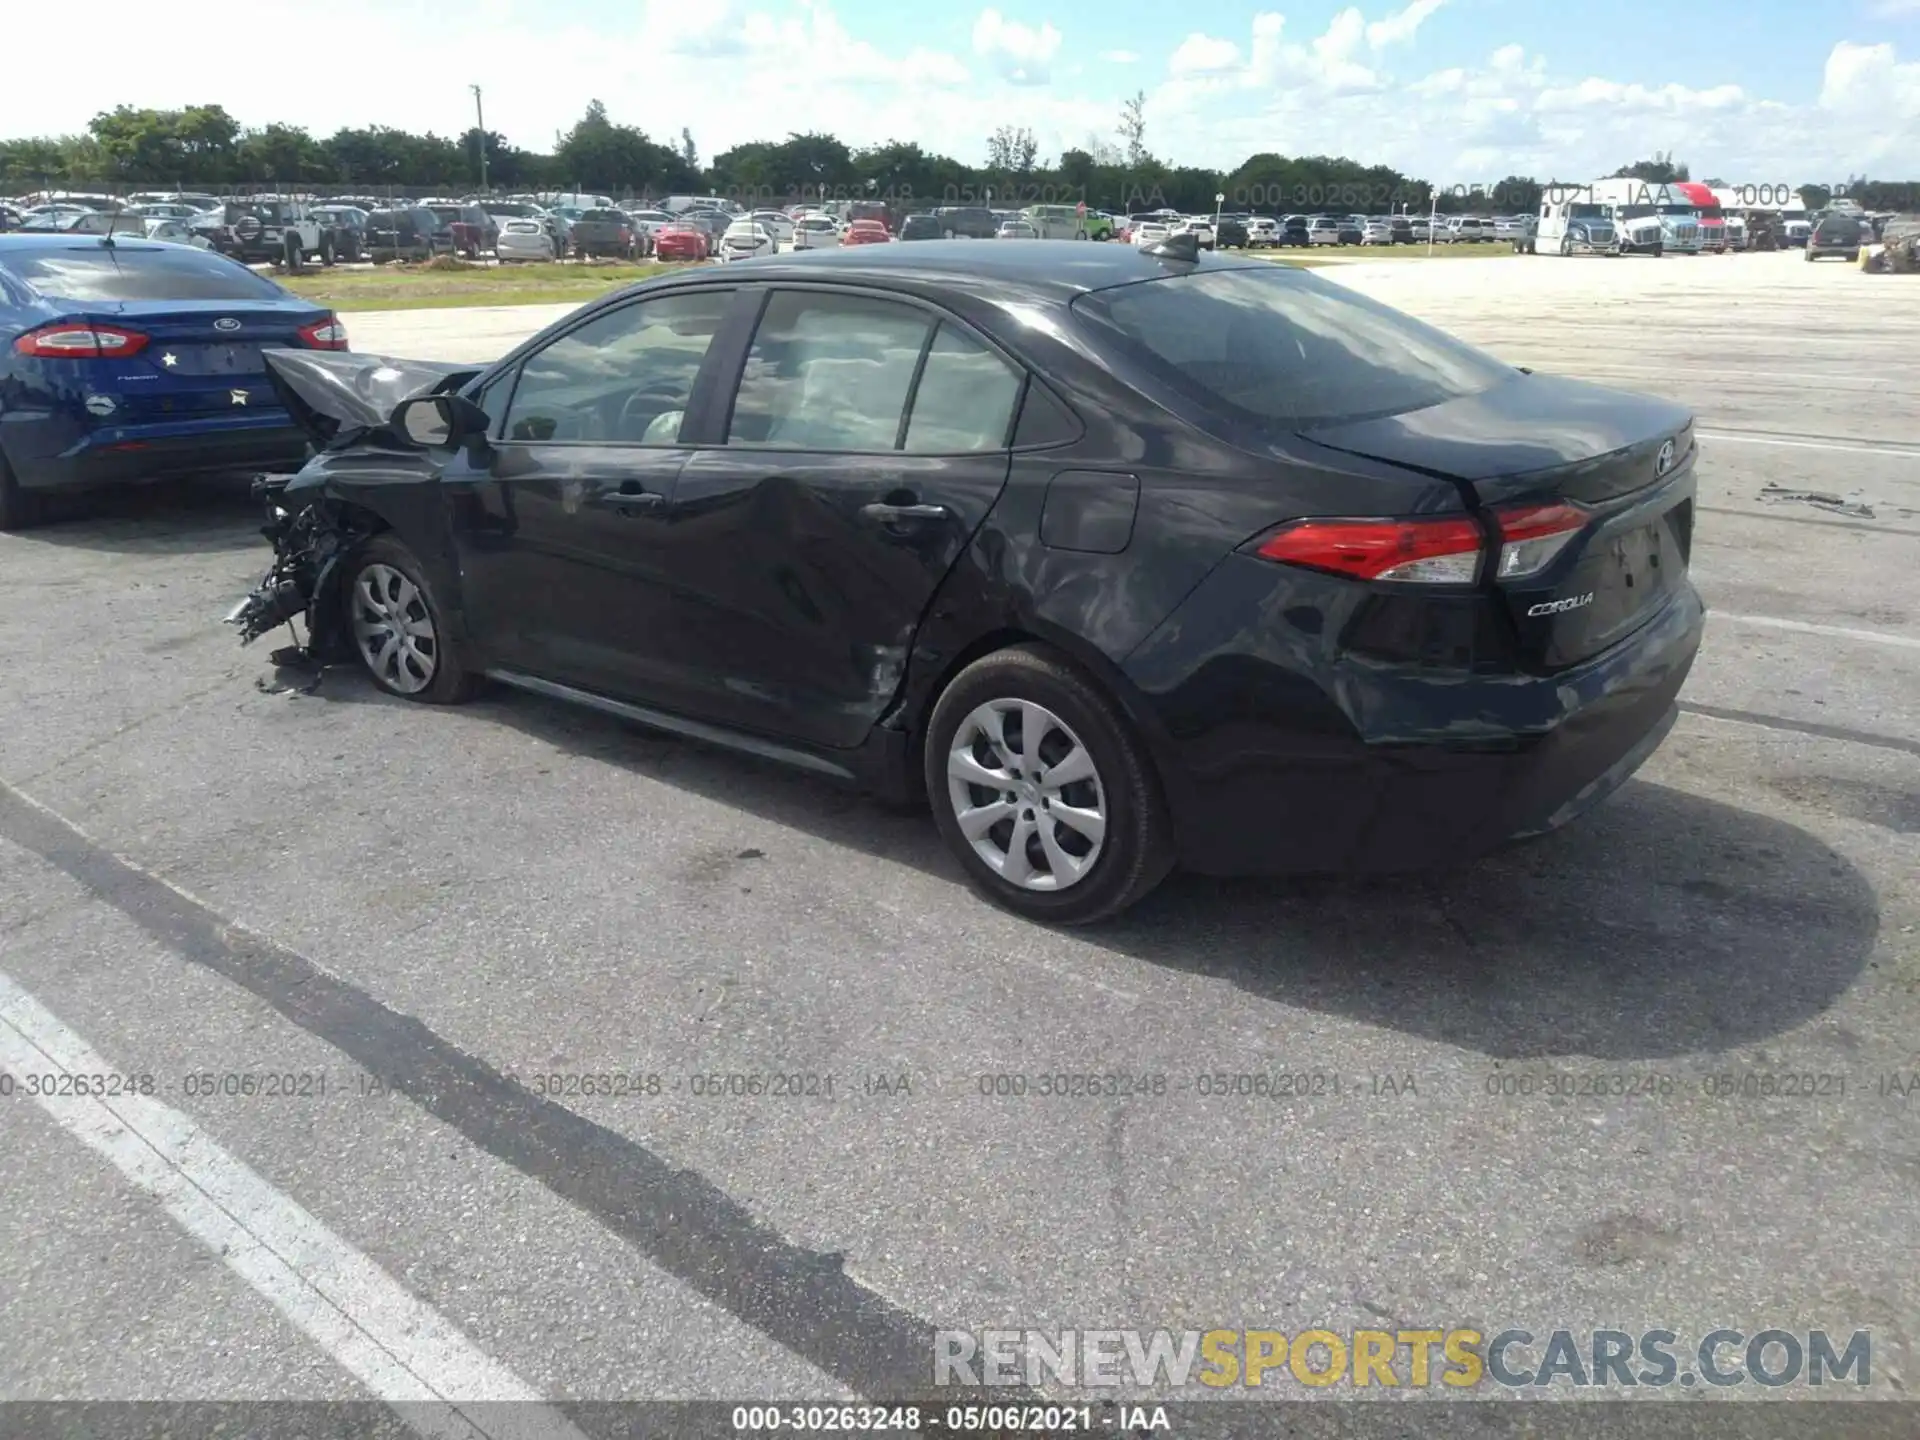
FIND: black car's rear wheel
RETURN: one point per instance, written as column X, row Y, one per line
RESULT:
column 1043, row 792
column 399, row 628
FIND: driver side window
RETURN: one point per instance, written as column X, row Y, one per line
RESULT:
column 623, row 378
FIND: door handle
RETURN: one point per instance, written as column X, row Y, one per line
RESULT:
column 893, row 514
column 625, row 499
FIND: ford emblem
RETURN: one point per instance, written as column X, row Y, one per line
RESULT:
column 1665, row 461
column 231, row 324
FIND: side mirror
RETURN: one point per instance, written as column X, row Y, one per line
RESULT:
column 440, row 422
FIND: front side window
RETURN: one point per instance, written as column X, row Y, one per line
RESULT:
column 1271, row 345
column 623, row 378
column 828, row 372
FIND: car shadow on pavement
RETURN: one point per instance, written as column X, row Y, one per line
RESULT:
column 196, row 517
column 1663, row 924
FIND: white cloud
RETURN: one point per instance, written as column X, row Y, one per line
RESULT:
column 1399, row 27
column 1021, row 53
column 1204, row 55
column 740, row 70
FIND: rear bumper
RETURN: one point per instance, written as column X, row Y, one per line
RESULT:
column 133, row 455
column 1276, row 765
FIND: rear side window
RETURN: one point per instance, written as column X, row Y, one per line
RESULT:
column 828, row 372
column 1271, row 345
column 964, row 401
column 135, row 272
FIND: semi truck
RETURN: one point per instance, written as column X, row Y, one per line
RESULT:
column 1713, row 218
column 1652, row 219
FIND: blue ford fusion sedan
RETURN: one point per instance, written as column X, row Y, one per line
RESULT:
column 124, row 361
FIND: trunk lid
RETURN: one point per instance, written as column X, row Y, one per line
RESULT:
column 1541, row 440
column 201, row 356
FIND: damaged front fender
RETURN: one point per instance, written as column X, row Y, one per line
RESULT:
column 319, row 517
column 309, row 545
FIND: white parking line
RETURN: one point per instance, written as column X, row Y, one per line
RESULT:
column 403, row 1351
column 1801, row 627
column 1907, row 452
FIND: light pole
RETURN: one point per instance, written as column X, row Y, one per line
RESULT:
column 1218, row 201
column 480, row 130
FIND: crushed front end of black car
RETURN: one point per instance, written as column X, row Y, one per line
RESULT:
column 343, row 401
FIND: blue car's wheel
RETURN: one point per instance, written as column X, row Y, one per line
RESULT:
column 19, row 508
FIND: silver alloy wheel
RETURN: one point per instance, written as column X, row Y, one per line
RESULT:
column 1026, row 795
column 394, row 629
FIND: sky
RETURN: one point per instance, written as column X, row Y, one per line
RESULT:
column 1453, row 91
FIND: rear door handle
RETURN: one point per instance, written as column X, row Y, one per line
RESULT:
column 629, row 499
column 891, row 514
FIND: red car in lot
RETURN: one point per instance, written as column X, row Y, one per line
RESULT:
column 866, row 232
column 681, row 242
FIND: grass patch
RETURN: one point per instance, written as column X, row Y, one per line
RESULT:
column 448, row 283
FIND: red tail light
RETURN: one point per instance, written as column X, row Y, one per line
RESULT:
column 1532, row 535
column 1442, row 551
column 327, row 334
column 80, row 342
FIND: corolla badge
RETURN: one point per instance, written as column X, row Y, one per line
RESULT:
column 228, row 324
column 1664, row 462
column 1560, row 607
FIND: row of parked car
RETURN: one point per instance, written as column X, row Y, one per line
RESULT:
column 1242, row 231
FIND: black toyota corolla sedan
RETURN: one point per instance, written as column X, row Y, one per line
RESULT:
column 1120, row 559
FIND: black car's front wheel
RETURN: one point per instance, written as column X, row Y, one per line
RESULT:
column 1043, row 791
column 399, row 629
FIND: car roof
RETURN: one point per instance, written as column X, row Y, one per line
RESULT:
column 1042, row 269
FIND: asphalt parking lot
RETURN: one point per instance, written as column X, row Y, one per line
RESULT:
column 205, row 873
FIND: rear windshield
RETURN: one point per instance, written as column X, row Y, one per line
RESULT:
column 1840, row 227
column 604, row 217
column 1274, row 345
column 129, row 272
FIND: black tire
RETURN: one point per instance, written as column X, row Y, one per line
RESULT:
column 290, row 256
column 20, row 509
column 451, row 682
column 1137, row 850
column 1566, row 245
column 326, row 250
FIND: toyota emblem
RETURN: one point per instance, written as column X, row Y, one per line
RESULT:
column 231, row 324
column 1665, row 462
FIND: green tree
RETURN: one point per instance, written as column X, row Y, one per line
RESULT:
column 603, row 156
column 1133, row 130
column 280, row 155
column 1660, row 170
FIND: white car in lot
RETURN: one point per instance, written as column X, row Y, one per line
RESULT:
column 1376, row 232
column 523, row 238
column 1016, row 230
column 777, row 225
column 747, row 240
column 1263, row 230
column 1150, row 232
column 816, row 232
column 1323, row 230
column 174, row 232
column 649, row 222
column 1198, row 226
